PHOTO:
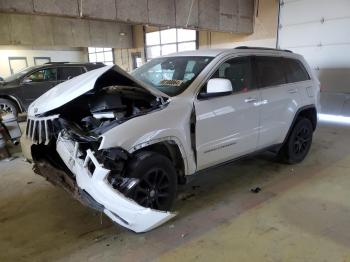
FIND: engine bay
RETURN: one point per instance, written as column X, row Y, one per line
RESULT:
column 90, row 115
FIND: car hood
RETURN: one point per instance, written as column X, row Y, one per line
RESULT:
column 77, row 86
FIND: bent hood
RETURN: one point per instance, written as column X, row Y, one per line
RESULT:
column 77, row 86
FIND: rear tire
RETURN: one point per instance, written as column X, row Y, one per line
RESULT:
column 158, row 180
column 298, row 143
column 7, row 106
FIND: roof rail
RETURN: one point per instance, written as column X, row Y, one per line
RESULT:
column 55, row 63
column 263, row 48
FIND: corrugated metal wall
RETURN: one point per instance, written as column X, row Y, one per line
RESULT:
column 234, row 16
column 320, row 31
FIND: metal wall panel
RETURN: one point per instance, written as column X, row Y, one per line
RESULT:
column 320, row 31
column 332, row 32
column 301, row 11
column 185, row 15
column 215, row 15
column 43, row 30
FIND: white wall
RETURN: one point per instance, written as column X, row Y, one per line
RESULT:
column 56, row 55
column 319, row 30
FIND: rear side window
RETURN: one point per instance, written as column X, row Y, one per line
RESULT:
column 295, row 71
column 270, row 71
column 66, row 73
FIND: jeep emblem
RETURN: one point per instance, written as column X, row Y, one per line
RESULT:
column 35, row 110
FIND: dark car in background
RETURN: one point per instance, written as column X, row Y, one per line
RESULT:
column 22, row 88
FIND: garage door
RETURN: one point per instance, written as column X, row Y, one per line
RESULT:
column 320, row 31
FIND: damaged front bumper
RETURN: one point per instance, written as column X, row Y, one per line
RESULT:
column 93, row 189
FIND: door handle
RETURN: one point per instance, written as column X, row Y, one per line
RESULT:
column 250, row 100
column 292, row 91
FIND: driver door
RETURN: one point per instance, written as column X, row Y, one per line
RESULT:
column 227, row 126
column 37, row 83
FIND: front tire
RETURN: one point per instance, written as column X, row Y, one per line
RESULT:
column 298, row 143
column 158, row 180
column 7, row 106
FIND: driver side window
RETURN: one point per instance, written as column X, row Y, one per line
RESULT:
column 238, row 71
column 48, row 74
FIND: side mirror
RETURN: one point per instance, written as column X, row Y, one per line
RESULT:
column 27, row 80
column 217, row 87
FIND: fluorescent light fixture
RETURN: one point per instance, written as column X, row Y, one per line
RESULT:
column 122, row 33
column 334, row 118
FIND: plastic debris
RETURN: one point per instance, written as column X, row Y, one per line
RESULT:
column 255, row 190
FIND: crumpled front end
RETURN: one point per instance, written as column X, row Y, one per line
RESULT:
column 88, row 181
column 65, row 148
column 92, row 178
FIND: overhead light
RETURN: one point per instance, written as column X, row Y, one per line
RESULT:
column 122, row 34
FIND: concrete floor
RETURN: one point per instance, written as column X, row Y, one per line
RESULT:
column 301, row 214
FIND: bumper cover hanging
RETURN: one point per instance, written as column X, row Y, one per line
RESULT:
column 93, row 189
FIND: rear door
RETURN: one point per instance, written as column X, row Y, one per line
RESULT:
column 68, row 72
column 227, row 126
column 37, row 83
column 280, row 98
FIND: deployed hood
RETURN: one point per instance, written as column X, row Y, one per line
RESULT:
column 77, row 86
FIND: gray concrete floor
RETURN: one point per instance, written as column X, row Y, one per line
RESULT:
column 301, row 214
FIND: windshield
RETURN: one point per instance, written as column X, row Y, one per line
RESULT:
column 171, row 75
column 19, row 74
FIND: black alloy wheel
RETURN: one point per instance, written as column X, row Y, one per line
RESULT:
column 153, row 189
column 302, row 140
column 157, row 180
column 298, row 143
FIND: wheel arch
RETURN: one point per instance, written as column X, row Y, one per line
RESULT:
column 170, row 147
column 14, row 100
column 308, row 112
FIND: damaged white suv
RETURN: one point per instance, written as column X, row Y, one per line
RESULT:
column 122, row 143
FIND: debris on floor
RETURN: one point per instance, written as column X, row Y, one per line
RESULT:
column 187, row 196
column 25, row 160
column 100, row 238
column 195, row 187
column 255, row 190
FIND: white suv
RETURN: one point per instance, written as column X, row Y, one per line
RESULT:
column 122, row 143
